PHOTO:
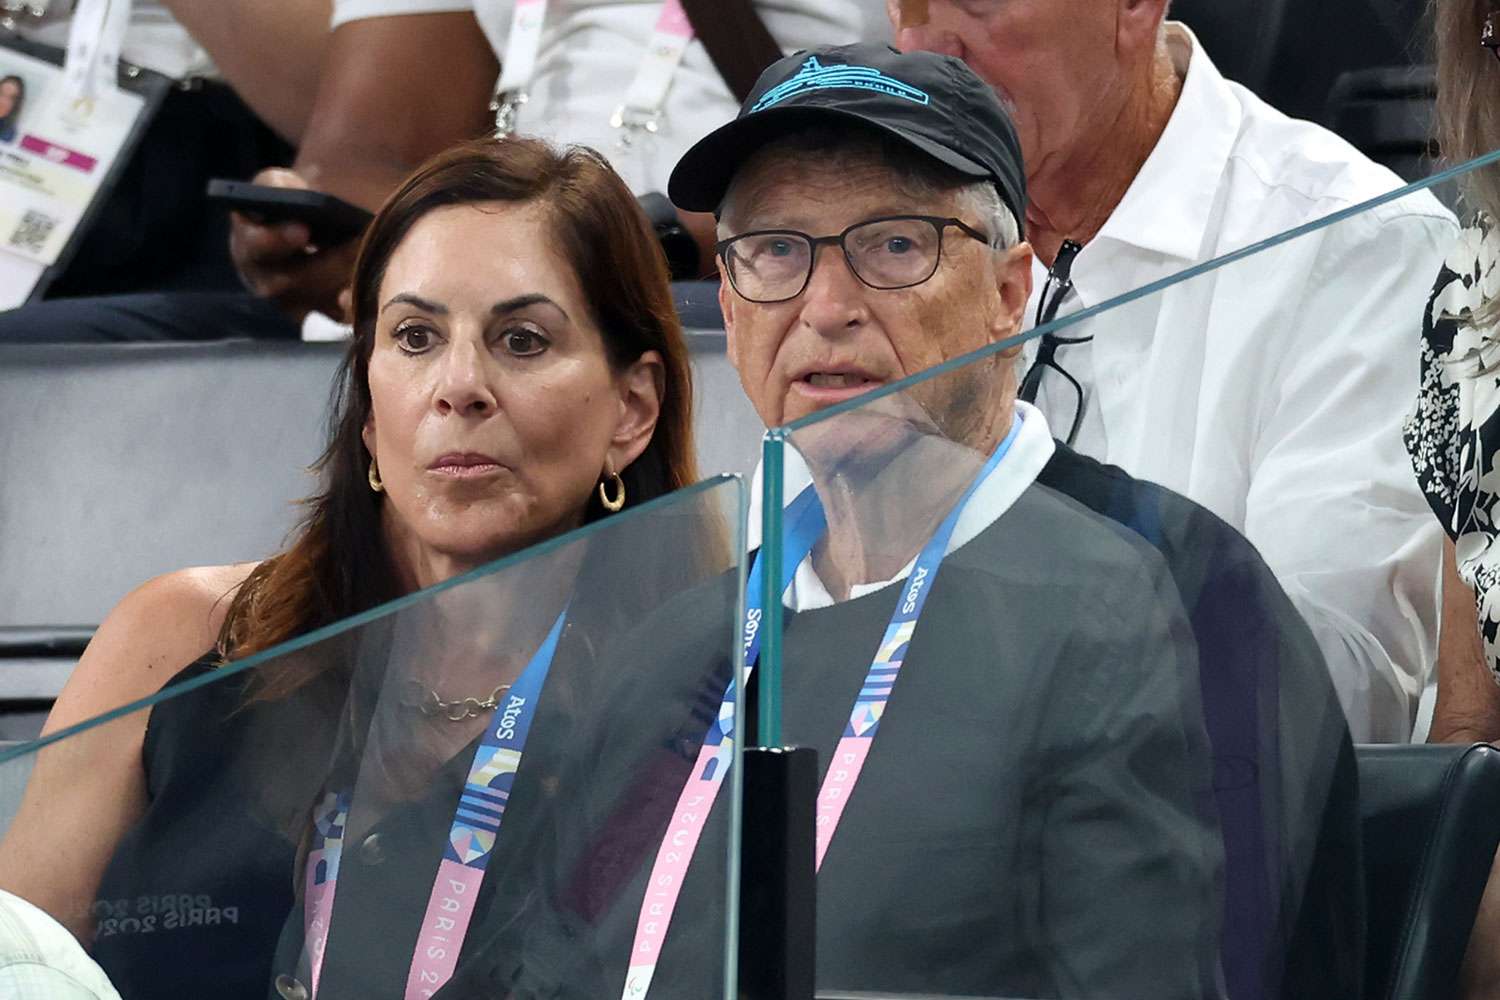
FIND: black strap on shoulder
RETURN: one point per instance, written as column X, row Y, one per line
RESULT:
column 736, row 39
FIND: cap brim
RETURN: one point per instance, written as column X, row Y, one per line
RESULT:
column 701, row 177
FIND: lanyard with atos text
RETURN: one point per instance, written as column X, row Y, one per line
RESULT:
column 805, row 524
column 471, row 838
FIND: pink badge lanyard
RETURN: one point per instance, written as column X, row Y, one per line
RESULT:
column 471, row 838
column 805, row 524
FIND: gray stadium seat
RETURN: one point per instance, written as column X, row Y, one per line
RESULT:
column 1428, row 814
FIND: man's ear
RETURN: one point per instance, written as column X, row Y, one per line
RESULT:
column 1138, row 24
column 642, row 387
column 1013, row 282
column 726, row 307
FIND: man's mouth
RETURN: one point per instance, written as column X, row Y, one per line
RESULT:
column 836, row 380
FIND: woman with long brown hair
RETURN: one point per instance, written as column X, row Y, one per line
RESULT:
column 1453, row 433
column 516, row 371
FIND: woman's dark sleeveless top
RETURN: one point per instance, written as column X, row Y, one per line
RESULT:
column 198, row 890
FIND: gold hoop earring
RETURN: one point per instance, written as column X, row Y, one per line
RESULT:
column 615, row 505
column 374, row 477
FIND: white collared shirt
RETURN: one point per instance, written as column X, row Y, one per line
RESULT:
column 1028, row 455
column 1272, row 390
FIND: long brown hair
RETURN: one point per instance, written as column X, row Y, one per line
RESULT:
column 337, row 565
column 1468, row 85
column 1468, row 113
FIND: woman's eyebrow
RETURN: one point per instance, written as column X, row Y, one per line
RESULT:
column 416, row 300
column 522, row 301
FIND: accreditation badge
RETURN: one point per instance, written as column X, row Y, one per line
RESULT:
column 61, row 148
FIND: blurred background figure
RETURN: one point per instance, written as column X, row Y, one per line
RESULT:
column 577, row 72
column 1453, row 431
column 243, row 73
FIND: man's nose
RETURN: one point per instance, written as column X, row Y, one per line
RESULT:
column 833, row 301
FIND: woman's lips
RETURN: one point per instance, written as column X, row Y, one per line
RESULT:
column 466, row 465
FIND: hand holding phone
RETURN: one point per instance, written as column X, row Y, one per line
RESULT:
column 277, row 250
column 330, row 221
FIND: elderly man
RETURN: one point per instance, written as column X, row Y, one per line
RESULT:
column 1001, row 674
column 1270, row 391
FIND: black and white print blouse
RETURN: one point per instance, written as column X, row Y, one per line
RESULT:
column 1453, row 433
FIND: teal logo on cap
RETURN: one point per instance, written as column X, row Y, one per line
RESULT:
column 815, row 76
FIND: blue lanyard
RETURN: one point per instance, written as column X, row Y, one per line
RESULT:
column 471, row 836
column 805, row 523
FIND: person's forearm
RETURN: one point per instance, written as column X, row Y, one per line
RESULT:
column 1468, row 699
column 267, row 50
column 392, row 92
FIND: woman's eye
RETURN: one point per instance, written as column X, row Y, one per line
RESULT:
column 413, row 339
column 523, row 342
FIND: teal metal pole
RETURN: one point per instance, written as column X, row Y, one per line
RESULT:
column 768, row 702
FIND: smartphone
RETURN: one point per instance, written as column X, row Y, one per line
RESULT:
column 331, row 220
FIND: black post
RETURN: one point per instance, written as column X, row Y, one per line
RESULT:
column 778, row 892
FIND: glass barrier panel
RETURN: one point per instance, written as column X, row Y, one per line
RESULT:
column 494, row 787
column 1085, row 713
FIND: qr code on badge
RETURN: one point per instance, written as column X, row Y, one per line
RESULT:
column 32, row 232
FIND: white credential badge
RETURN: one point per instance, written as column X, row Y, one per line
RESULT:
column 61, row 130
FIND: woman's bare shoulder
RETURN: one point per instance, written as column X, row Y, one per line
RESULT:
column 156, row 630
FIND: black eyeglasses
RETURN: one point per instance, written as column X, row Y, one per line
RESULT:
column 1059, row 284
column 1489, row 36
column 896, row 251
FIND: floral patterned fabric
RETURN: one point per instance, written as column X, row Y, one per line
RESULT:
column 1453, row 433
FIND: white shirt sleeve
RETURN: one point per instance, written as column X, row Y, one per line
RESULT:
column 1332, row 504
column 41, row 960
column 345, row 11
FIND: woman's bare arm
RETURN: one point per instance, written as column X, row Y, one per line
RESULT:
column 86, row 791
column 1468, row 699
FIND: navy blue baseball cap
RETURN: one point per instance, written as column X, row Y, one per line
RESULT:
column 933, row 103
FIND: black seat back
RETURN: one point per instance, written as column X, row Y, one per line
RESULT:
column 1389, row 114
column 1430, row 834
column 1241, row 36
column 1291, row 54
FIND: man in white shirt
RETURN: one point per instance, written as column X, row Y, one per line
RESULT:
column 1272, row 390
